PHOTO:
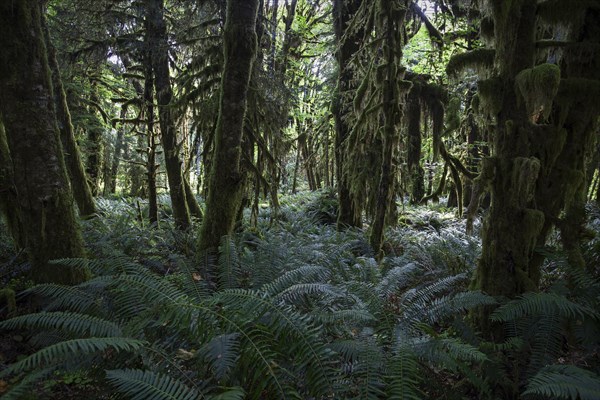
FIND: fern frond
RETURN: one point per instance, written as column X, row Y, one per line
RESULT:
column 148, row 385
column 71, row 349
column 449, row 306
column 540, row 304
column 303, row 274
column 564, row 382
column 79, row 324
column 404, row 377
column 222, row 352
column 228, row 267
column 65, row 297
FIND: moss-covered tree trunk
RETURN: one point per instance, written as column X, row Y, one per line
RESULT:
column 225, row 187
column 110, row 186
column 79, row 183
column 151, row 165
column 413, row 160
column 156, row 30
column 349, row 211
column 44, row 198
column 95, row 141
column 545, row 119
column 513, row 224
column 393, row 92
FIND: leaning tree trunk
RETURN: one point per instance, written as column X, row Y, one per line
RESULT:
column 79, row 183
column 44, row 198
column 159, row 50
column 349, row 211
column 225, row 189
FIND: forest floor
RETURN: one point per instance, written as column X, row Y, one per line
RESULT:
column 297, row 258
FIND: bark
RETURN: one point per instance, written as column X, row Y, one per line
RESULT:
column 156, row 30
column 415, row 171
column 8, row 194
column 225, row 190
column 72, row 154
column 95, row 132
column 513, row 224
column 151, row 166
column 349, row 212
column 111, row 182
column 44, row 198
column 392, row 113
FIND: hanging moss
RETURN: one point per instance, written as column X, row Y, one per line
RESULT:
column 538, row 87
column 491, row 96
column 480, row 61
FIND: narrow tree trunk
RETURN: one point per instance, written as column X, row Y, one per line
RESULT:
column 95, row 132
column 194, row 207
column 413, row 159
column 159, row 50
column 225, row 190
column 44, row 197
column 111, row 183
column 151, row 165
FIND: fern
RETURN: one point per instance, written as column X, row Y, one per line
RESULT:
column 228, row 267
column 71, row 349
column 404, row 377
column 147, row 385
column 564, row 382
column 539, row 304
column 82, row 325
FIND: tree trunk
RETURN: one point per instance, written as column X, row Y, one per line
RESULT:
column 512, row 225
column 95, row 131
column 349, row 211
column 111, row 183
column 413, row 159
column 225, row 190
column 79, row 183
column 151, row 165
column 44, row 198
column 8, row 194
column 392, row 113
column 156, row 30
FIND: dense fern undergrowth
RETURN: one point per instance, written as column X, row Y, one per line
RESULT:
column 293, row 309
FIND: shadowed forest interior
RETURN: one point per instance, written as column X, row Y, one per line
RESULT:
column 300, row 199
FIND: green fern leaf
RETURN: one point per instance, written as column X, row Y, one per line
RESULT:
column 148, row 385
column 83, row 325
column 71, row 349
column 564, row 382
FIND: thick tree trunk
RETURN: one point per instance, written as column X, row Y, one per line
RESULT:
column 156, row 30
column 513, row 224
column 79, row 184
column 349, row 211
column 44, row 198
column 225, row 188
